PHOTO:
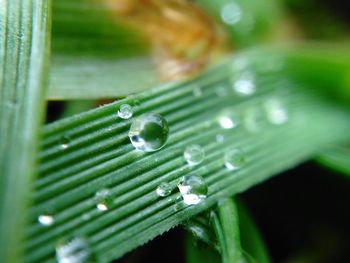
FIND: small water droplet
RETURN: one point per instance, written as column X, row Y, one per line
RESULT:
column 253, row 119
column 76, row 250
column 64, row 141
column 46, row 220
column 221, row 91
column 231, row 13
column 197, row 91
column 220, row 138
column 149, row 132
column 193, row 189
column 164, row 189
column 125, row 111
column 244, row 86
column 194, row 154
column 103, row 199
column 276, row 111
column 234, row 159
column 228, row 120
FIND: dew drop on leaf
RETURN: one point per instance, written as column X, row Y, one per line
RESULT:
column 245, row 84
column 103, row 199
column 125, row 111
column 149, row 132
column 194, row 154
column 193, row 189
column 164, row 189
column 64, row 141
column 220, row 138
column 234, row 159
column 76, row 250
column 46, row 220
column 276, row 112
column 231, row 13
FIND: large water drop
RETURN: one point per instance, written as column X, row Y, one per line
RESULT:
column 149, row 132
column 193, row 189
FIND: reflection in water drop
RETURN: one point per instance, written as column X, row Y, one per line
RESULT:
column 193, row 189
column 149, row 132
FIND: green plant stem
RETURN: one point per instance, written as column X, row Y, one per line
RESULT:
column 24, row 46
column 226, row 226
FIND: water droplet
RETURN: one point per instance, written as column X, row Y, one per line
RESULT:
column 220, row 138
column 194, row 154
column 228, row 120
column 244, row 86
column 164, row 189
column 197, row 91
column 193, row 189
column 149, row 132
column 234, row 159
column 46, row 220
column 275, row 111
column 64, row 142
column 253, row 119
column 125, row 111
column 74, row 251
column 231, row 13
column 221, row 91
column 103, row 199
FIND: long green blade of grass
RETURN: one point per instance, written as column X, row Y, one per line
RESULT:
column 24, row 45
column 337, row 158
column 98, row 154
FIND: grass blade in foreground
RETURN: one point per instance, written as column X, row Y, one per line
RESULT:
column 337, row 158
column 24, row 45
column 97, row 154
column 226, row 226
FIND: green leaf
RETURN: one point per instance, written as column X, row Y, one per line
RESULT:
column 99, row 155
column 24, row 45
column 337, row 158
